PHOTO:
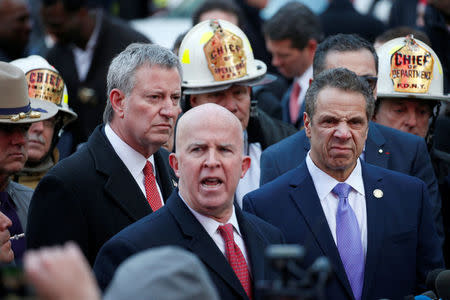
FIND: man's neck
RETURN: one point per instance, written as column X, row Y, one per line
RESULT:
column 86, row 30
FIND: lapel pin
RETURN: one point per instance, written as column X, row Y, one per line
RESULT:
column 380, row 151
column 378, row 193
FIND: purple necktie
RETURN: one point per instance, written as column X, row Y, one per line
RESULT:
column 8, row 207
column 349, row 240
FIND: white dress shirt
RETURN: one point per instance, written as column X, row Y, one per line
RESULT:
column 133, row 160
column 211, row 226
column 83, row 57
column 250, row 181
column 324, row 184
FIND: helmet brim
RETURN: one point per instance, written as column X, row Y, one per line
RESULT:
column 261, row 80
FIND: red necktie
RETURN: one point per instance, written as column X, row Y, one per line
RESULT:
column 151, row 190
column 236, row 258
column 294, row 107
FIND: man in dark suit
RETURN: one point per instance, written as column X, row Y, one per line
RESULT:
column 292, row 35
column 385, row 147
column 86, row 42
column 201, row 216
column 373, row 224
column 110, row 182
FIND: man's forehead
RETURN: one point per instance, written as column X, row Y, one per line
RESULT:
column 359, row 61
column 401, row 101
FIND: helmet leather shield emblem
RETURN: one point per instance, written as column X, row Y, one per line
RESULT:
column 46, row 85
column 225, row 54
column 411, row 68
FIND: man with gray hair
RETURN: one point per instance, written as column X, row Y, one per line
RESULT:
column 121, row 174
column 373, row 224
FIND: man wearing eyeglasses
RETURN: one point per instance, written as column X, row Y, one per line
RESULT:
column 385, row 147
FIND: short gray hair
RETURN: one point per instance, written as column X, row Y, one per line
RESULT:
column 342, row 79
column 121, row 72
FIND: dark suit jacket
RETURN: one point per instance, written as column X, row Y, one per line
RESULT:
column 174, row 224
column 385, row 147
column 113, row 38
column 402, row 244
column 286, row 112
column 90, row 196
column 342, row 17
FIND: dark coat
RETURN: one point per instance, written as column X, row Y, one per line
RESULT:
column 342, row 17
column 402, row 244
column 89, row 197
column 174, row 224
column 385, row 147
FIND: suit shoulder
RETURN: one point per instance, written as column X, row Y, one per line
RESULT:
column 268, row 231
column 287, row 145
column 394, row 134
column 124, row 31
column 391, row 176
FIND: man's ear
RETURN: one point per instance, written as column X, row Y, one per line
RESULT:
column 173, row 161
column 307, row 124
column 246, row 160
column 117, row 99
column 312, row 46
column 193, row 100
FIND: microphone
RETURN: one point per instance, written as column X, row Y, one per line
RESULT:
column 443, row 285
column 431, row 279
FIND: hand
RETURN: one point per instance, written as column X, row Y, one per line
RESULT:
column 60, row 273
column 6, row 253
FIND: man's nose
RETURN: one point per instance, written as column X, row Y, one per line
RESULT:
column 37, row 127
column 230, row 103
column 211, row 159
column 342, row 131
column 169, row 109
column 411, row 119
column 18, row 137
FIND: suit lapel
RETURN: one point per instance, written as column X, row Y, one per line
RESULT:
column 375, row 224
column 166, row 180
column 119, row 184
column 374, row 151
column 199, row 242
column 311, row 210
column 254, row 245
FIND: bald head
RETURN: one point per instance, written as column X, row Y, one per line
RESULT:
column 209, row 160
column 204, row 116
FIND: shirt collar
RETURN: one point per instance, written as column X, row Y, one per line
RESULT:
column 304, row 79
column 210, row 224
column 324, row 183
column 133, row 160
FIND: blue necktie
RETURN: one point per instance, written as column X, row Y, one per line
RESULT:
column 349, row 240
column 8, row 207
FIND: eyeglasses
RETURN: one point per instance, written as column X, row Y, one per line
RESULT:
column 371, row 80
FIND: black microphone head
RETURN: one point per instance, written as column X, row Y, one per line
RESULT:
column 431, row 279
column 443, row 285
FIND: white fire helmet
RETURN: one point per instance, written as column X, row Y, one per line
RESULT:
column 45, row 83
column 409, row 68
column 216, row 54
